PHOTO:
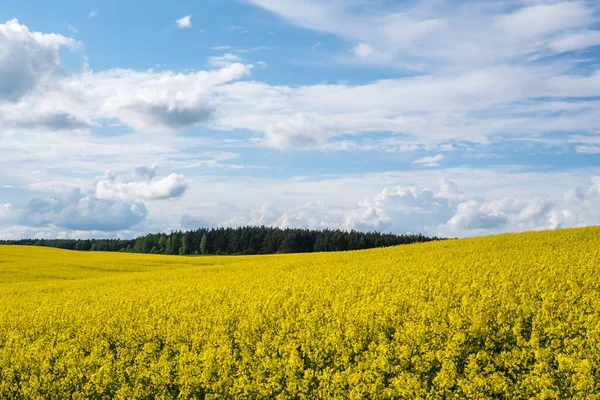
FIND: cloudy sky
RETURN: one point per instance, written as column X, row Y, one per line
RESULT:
column 441, row 117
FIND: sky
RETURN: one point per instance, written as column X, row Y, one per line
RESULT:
column 448, row 118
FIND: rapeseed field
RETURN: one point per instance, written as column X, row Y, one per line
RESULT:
column 508, row 316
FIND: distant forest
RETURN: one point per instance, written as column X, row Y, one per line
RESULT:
column 234, row 241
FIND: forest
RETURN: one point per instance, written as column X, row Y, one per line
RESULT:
column 234, row 241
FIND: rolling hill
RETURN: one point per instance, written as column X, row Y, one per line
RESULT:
column 507, row 316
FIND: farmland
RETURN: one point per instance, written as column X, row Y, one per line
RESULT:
column 507, row 316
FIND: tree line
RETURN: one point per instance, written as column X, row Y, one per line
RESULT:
column 235, row 241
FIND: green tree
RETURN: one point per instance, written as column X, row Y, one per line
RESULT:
column 203, row 244
column 186, row 243
column 162, row 244
column 176, row 242
column 169, row 247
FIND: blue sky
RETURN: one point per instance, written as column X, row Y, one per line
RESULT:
column 121, row 118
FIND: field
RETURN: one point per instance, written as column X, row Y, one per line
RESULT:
column 508, row 316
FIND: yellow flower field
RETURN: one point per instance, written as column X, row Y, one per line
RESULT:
column 508, row 316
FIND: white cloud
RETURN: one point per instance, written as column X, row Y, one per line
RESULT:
column 191, row 223
column 154, row 101
column 92, row 14
column 296, row 131
column 544, row 19
column 397, row 209
column 402, row 209
column 51, row 119
column 53, row 122
column 442, row 210
column 588, row 149
column 432, row 161
column 146, row 101
column 185, row 22
column 142, row 185
column 224, row 60
column 151, row 101
column 234, row 49
column 363, row 50
column 53, row 232
column 312, row 215
column 75, row 210
column 420, row 203
column 28, row 59
column 5, row 211
column 445, row 36
column 475, row 215
column 576, row 41
column 367, row 54
column 234, row 28
column 427, row 110
column 473, row 106
column 512, row 214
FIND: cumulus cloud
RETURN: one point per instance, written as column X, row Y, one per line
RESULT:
column 427, row 110
column 508, row 214
column 164, row 115
column 416, row 206
column 312, row 215
column 48, row 114
column 142, row 185
column 75, row 210
column 154, row 101
column 401, row 209
column 363, row 50
column 147, row 101
column 53, row 122
column 397, row 209
column 432, row 161
column 144, row 100
column 185, row 22
column 296, row 131
column 27, row 59
column 447, row 211
column 142, row 172
column 443, row 210
column 480, row 215
column 92, row 14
